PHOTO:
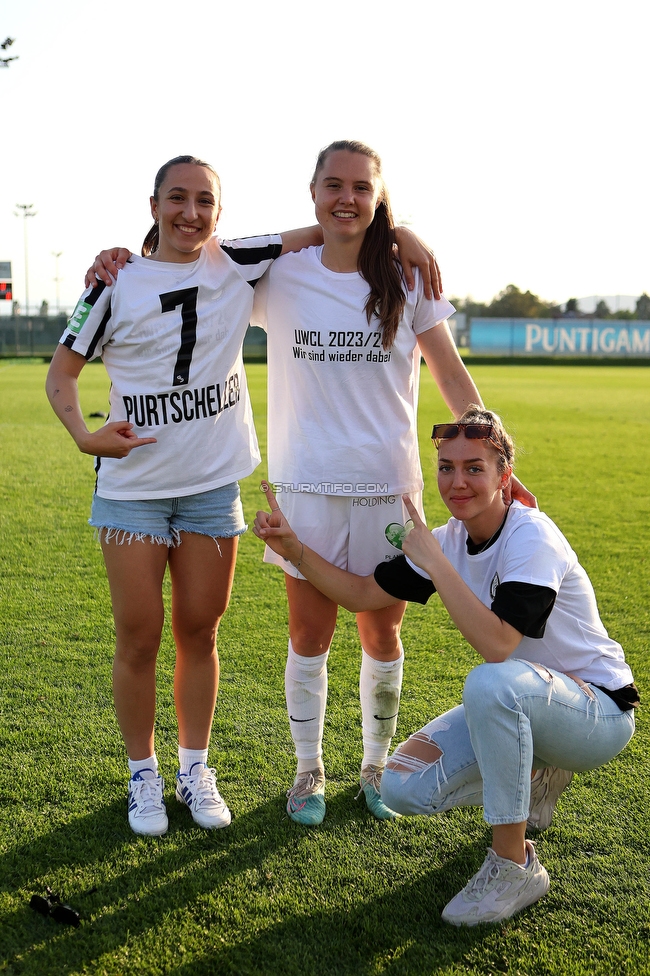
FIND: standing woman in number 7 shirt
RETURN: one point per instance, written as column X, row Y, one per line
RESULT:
column 345, row 338
column 169, row 331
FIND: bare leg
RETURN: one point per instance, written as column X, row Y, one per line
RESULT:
column 201, row 585
column 419, row 747
column 135, row 575
column 379, row 632
column 312, row 618
column 508, row 841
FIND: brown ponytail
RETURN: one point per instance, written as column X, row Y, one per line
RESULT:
column 150, row 243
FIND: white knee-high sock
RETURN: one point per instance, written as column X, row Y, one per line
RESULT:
column 380, row 684
column 305, row 684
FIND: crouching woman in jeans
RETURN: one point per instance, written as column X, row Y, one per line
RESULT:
column 554, row 695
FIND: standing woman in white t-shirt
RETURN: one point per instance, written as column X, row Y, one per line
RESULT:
column 180, row 433
column 553, row 694
column 345, row 337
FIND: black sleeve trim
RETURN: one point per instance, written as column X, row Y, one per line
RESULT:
column 95, row 293
column 525, row 606
column 400, row 580
column 101, row 328
column 252, row 255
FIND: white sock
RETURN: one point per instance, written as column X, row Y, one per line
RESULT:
column 380, row 683
column 305, row 685
column 149, row 765
column 187, row 758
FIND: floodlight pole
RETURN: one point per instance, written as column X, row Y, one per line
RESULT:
column 27, row 211
column 57, row 255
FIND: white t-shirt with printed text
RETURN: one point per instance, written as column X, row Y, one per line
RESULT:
column 342, row 416
column 170, row 336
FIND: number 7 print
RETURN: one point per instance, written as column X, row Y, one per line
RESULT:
column 186, row 298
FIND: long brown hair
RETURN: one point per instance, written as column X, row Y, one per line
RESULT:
column 376, row 263
column 152, row 240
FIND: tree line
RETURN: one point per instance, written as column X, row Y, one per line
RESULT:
column 517, row 304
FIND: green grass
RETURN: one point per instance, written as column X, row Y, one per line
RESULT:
column 354, row 897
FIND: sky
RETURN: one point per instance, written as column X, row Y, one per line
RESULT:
column 513, row 134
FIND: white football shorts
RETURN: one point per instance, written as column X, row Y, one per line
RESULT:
column 352, row 532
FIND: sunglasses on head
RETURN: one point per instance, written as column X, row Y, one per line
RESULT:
column 442, row 432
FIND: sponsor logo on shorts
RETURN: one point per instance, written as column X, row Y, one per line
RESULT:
column 375, row 500
column 396, row 533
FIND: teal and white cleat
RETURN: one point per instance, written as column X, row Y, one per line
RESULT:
column 370, row 783
column 306, row 798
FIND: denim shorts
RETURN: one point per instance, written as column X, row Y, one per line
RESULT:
column 217, row 513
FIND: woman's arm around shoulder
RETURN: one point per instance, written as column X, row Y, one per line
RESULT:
column 456, row 386
column 301, row 237
column 415, row 253
column 106, row 266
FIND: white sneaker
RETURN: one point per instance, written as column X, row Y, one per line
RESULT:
column 545, row 788
column 498, row 890
column 147, row 814
column 198, row 790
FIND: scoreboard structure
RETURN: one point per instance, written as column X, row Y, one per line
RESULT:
column 6, row 290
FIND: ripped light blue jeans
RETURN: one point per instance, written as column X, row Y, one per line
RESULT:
column 515, row 717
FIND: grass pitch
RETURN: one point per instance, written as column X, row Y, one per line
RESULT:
column 354, row 897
